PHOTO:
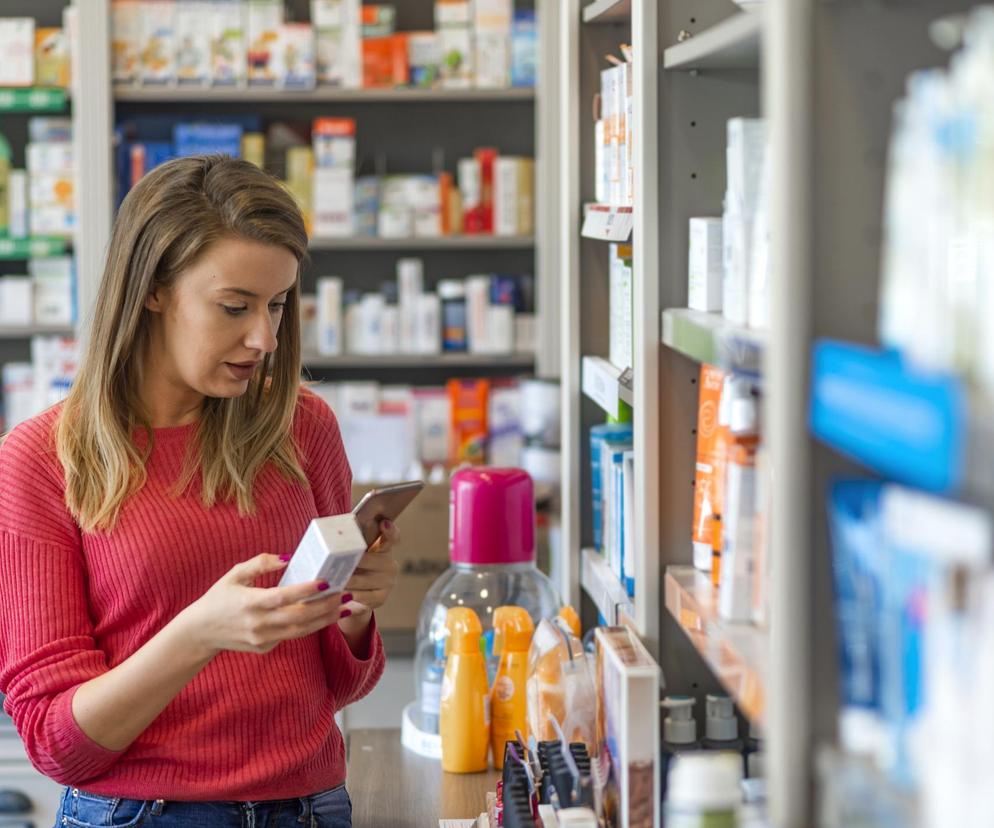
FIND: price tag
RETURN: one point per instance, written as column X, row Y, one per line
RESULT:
column 608, row 223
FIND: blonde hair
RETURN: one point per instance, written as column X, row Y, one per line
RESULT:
column 166, row 222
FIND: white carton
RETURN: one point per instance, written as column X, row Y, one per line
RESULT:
column 15, row 300
column 227, row 43
column 513, row 196
column 157, row 52
column 329, row 316
column 263, row 25
column 193, row 42
column 329, row 551
column 18, row 384
column 17, row 48
column 293, row 63
column 53, row 290
column 334, row 192
column 621, row 294
column 126, row 36
column 478, row 314
column 17, row 212
column 705, row 268
column 337, row 25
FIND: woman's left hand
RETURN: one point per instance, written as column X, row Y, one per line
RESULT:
column 374, row 578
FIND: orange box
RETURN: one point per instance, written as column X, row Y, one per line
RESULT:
column 385, row 62
column 469, row 402
column 711, row 453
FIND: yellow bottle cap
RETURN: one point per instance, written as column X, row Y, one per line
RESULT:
column 568, row 614
column 513, row 630
column 464, row 631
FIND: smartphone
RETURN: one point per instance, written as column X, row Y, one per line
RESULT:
column 386, row 503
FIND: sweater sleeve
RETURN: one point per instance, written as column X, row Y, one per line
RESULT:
column 327, row 468
column 47, row 644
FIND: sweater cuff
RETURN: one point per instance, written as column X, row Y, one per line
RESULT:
column 372, row 647
column 74, row 755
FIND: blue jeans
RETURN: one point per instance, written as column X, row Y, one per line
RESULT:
column 329, row 809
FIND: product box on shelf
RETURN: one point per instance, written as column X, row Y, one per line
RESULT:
column 378, row 20
column 293, row 59
column 492, row 43
column 54, row 301
column 514, row 179
column 16, row 301
column 333, row 195
column 423, row 58
column 524, row 49
column 17, row 380
column 385, row 62
column 334, row 142
column 126, row 38
column 157, row 48
column 18, row 213
column 17, row 46
column 621, row 297
column 628, row 727
column 51, row 57
column 265, row 17
column 710, row 458
column 705, row 265
column 338, row 42
column 204, row 138
column 227, row 43
column 469, row 411
column 193, row 43
column 454, row 24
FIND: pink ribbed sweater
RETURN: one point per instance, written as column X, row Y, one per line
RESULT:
column 74, row 604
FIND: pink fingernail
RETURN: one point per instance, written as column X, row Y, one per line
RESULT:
column 324, row 585
column 346, row 597
column 388, row 525
column 345, row 613
column 284, row 558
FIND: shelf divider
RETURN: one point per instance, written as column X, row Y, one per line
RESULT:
column 607, row 385
column 709, row 337
column 481, row 242
column 608, row 11
column 28, row 331
column 388, row 361
column 249, row 95
column 734, row 43
column 603, row 588
column 735, row 653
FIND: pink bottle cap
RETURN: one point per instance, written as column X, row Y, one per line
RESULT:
column 493, row 517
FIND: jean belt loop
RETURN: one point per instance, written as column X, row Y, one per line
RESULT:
column 158, row 806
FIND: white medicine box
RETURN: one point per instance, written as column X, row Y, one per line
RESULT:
column 705, row 265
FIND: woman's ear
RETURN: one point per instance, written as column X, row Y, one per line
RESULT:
column 155, row 300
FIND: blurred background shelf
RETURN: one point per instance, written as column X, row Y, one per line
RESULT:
column 608, row 11
column 710, row 338
column 604, row 589
column 734, row 43
column 32, row 99
column 481, row 242
column 30, row 248
column 736, row 653
column 27, row 331
column 607, row 385
column 249, row 95
column 350, row 361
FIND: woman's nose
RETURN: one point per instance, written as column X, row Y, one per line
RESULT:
column 262, row 335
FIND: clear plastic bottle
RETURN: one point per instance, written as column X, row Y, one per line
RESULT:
column 492, row 549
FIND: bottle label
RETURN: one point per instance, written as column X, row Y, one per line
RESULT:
column 486, row 710
column 504, row 689
column 431, row 697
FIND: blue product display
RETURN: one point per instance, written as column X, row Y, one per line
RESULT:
column 598, row 435
column 207, row 139
column 907, row 425
column 524, row 49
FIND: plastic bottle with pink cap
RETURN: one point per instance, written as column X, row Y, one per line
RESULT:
column 492, row 564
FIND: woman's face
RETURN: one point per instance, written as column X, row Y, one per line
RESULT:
column 213, row 327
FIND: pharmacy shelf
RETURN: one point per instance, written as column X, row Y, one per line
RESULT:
column 607, row 385
column 32, row 99
column 923, row 429
column 710, row 338
column 735, row 653
column 386, row 362
column 28, row 331
column 608, row 11
column 480, row 242
column 325, row 95
column 603, row 588
column 37, row 247
column 732, row 44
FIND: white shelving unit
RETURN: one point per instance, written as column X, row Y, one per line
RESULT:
column 607, row 11
column 27, row 331
column 481, row 242
column 603, row 588
column 734, row 43
column 331, row 95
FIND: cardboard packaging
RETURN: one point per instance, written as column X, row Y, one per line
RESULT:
column 423, row 554
column 514, row 196
column 338, row 43
column 157, row 50
column 705, row 270
column 16, row 302
column 708, row 476
column 51, row 58
column 193, row 43
column 293, row 60
column 227, row 43
column 17, row 46
column 265, row 17
column 329, row 551
column 453, row 22
column 126, row 36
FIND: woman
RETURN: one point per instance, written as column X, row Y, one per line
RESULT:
column 149, row 660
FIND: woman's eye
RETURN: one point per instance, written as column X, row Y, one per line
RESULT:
column 233, row 310
column 277, row 307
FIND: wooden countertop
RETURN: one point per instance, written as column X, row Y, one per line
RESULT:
column 391, row 787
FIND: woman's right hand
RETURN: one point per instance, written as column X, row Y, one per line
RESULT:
column 236, row 615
